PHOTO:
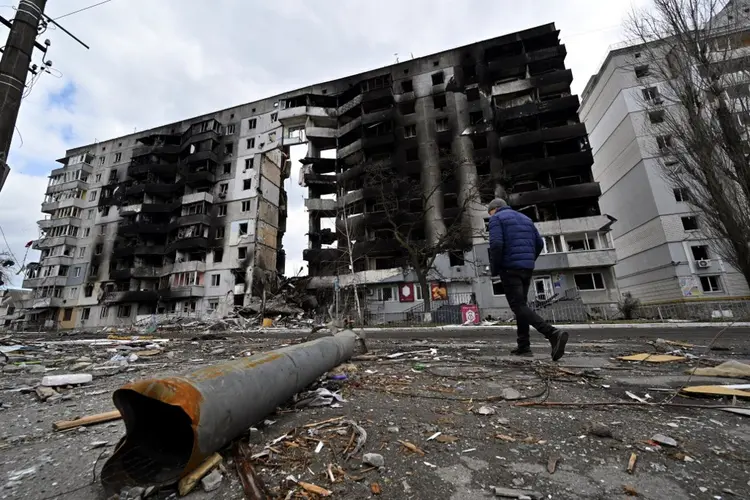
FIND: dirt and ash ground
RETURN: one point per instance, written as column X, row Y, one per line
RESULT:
column 448, row 418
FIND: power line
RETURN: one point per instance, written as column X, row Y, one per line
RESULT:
column 81, row 10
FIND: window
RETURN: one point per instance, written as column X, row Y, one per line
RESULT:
column 86, row 232
column 103, row 229
column 247, row 184
column 681, row 194
column 229, row 148
column 700, row 252
column 88, row 291
column 98, row 177
column 664, row 142
column 67, row 314
column 274, row 116
column 222, row 210
column 386, row 294
column 85, row 314
column 439, row 101
column 101, row 160
column 407, row 108
column 215, row 279
column 224, row 187
column 438, row 78
column 407, row 86
column 642, row 71
column 246, row 206
column 412, row 154
column 479, row 141
column 441, row 124
column 63, row 271
column 589, row 281
column 218, row 255
column 252, row 123
column 710, row 284
column 213, row 305
column 475, row 118
column 77, row 271
column 250, row 143
column 230, row 129
column 118, row 157
column 123, row 312
column 656, row 116
column 242, row 253
column 410, row 131
column 498, row 288
column 90, row 213
column 249, row 163
column 651, row 95
column 690, row 223
column 104, row 312
column 220, row 232
column 472, row 94
column 227, row 168
column 243, row 228
column 92, row 196
column 98, row 248
column 271, row 136
column 456, row 259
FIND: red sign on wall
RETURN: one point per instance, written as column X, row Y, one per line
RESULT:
column 470, row 314
column 406, row 292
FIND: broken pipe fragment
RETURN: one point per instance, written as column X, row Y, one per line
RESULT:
column 173, row 424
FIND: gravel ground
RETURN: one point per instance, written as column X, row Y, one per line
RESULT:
column 463, row 389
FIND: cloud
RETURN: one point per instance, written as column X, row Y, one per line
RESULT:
column 153, row 62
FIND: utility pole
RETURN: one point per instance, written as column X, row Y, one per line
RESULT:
column 14, row 69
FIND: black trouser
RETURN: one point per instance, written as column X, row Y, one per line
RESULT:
column 516, row 283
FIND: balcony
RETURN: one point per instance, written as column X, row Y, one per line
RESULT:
column 133, row 228
column 201, row 178
column 538, row 165
column 54, row 241
column 42, row 303
column 587, row 190
column 127, row 251
column 349, row 149
column 45, row 281
column 187, row 266
column 298, row 115
column 318, row 179
column 121, row 274
column 86, row 168
column 321, row 255
column 202, row 156
column 543, row 135
column 67, row 186
column 156, row 149
column 592, row 224
column 192, row 243
column 577, row 260
column 120, row 297
column 139, row 171
column 197, row 198
column 558, row 79
column 191, row 137
column 188, row 220
column 567, row 103
column 62, row 221
column 328, row 206
column 159, row 208
column 157, row 189
column 131, row 209
column 49, row 207
column 58, row 260
column 182, row 292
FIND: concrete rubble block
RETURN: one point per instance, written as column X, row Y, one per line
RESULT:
column 510, row 394
column 663, row 440
column 374, row 459
column 514, row 493
column 71, row 379
column 44, row 393
column 212, row 481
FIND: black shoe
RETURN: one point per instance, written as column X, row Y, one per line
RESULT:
column 526, row 353
column 558, row 342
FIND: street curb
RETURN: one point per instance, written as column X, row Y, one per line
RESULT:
column 574, row 326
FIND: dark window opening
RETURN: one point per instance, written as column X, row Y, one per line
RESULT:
column 67, row 314
column 218, row 255
column 664, row 142
column 247, row 184
column 475, row 118
column 456, row 259
column 656, row 116
column 229, row 148
column 227, row 168
column 700, row 252
column 243, row 228
column 480, row 141
column 408, row 108
column 242, row 253
column 439, row 101
column 438, row 78
column 472, row 94
column 412, row 154
column 642, row 71
column 407, row 86
column 589, row 281
column 710, row 284
column 690, row 223
column 681, row 194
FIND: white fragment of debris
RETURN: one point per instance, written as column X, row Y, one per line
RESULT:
column 371, row 372
column 71, row 379
column 606, row 386
column 374, row 459
column 633, row 396
column 434, row 436
column 98, row 444
column 486, row 410
column 428, row 464
column 469, row 450
column 18, row 475
column 664, row 440
column 319, row 447
column 672, row 425
column 703, row 489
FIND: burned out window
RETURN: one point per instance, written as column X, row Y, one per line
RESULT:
column 710, row 284
column 243, row 228
column 642, row 71
column 408, row 108
column 472, row 94
column 589, row 281
column 412, row 154
column 222, row 210
column 438, row 78
column 690, row 223
column 220, row 232
column 700, row 252
column 227, row 168
column 439, row 101
column 456, row 259
column 656, row 116
column 247, row 184
column 410, row 131
column 479, row 141
column 681, row 194
column 441, row 124
column 407, row 86
column 218, row 255
column 476, row 117
column 229, row 148
column 242, row 253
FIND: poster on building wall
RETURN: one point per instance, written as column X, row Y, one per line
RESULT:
column 470, row 314
column 406, row 292
column 690, row 286
column 439, row 291
column 557, row 281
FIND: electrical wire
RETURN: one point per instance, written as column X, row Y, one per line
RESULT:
column 81, row 10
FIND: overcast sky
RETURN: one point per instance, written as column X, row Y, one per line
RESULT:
column 156, row 61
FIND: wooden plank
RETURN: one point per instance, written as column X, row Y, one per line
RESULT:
column 188, row 482
column 652, row 358
column 716, row 390
column 88, row 420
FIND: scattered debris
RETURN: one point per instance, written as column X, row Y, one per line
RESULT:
column 729, row 369
column 486, row 410
column 716, row 390
column 552, row 463
column 212, row 481
column 317, row 398
column 312, row 488
column 513, row 493
column 600, row 430
column 631, row 463
column 739, row 411
column 510, row 394
column 633, row 396
column 253, row 486
column 188, row 482
column 412, row 447
column 89, row 420
column 446, row 439
column 374, row 459
column 375, row 489
column 45, row 393
column 629, row 490
column 72, row 379
column 664, row 440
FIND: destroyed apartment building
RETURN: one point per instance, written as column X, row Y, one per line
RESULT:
column 188, row 218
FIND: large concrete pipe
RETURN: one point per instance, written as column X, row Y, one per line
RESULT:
column 172, row 424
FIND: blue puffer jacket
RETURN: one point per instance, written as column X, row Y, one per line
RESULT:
column 515, row 242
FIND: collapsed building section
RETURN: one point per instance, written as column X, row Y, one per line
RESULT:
column 188, row 218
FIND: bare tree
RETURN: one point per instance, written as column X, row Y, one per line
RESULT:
column 344, row 227
column 694, row 53
column 403, row 203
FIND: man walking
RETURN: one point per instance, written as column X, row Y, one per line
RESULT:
column 515, row 244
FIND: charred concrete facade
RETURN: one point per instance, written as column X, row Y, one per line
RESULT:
column 188, row 218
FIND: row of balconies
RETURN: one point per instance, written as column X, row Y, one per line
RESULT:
column 141, row 227
column 45, row 281
column 145, row 272
column 154, row 295
column 49, row 207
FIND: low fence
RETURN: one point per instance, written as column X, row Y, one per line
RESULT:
column 571, row 311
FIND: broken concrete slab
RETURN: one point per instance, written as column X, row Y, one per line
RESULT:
column 514, row 493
